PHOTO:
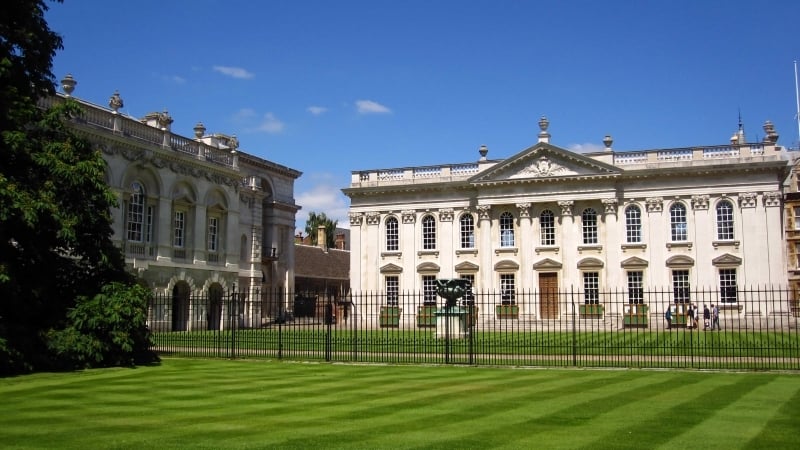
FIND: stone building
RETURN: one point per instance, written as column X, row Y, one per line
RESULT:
column 549, row 220
column 198, row 218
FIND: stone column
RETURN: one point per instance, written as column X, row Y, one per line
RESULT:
column 485, row 249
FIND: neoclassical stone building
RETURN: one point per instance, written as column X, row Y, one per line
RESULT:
column 198, row 219
column 550, row 220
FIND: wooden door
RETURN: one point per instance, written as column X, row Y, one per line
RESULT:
column 548, row 295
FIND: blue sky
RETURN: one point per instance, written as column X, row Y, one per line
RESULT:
column 329, row 87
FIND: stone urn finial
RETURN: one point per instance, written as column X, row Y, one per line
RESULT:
column 484, row 150
column 115, row 102
column 543, row 124
column 68, row 84
column 607, row 141
column 199, row 130
column 771, row 136
column 164, row 120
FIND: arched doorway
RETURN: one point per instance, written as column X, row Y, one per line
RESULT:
column 214, row 306
column 180, row 306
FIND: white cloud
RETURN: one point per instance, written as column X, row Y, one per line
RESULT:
column 270, row 124
column 588, row 147
column 370, row 107
column 176, row 79
column 244, row 113
column 235, row 72
column 317, row 110
column 323, row 196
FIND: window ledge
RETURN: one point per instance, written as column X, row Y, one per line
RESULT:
column 681, row 244
column 584, row 248
column 428, row 252
column 634, row 245
column 502, row 250
column 396, row 254
column 467, row 251
column 725, row 244
column 548, row 248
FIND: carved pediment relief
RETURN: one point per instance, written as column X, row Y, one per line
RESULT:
column 547, row 264
column 680, row 261
column 634, row 262
column 466, row 266
column 428, row 267
column 727, row 260
column 506, row 264
column 590, row 263
column 391, row 268
column 544, row 161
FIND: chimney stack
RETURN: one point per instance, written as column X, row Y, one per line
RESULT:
column 321, row 239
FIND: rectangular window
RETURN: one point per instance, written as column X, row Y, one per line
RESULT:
column 680, row 286
column 467, row 232
column 213, row 234
column 149, row 225
column 548, row 228
column 797, row 254
column 392, row 290
column 428, row 233
column 392, row 235
column 589, row 226
column 135, row 220
column 727, row 285
column 591, row 288
column 180, row 229
column 429, row 289
column 796, row 211
column 507, row 288
column 470, row 294
column 635, row 287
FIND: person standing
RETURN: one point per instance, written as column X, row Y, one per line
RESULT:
column 668, row 317
column 706, row 317
column 689, row 317
column 696, row 309
column 715, row 317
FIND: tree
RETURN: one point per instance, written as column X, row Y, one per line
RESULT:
column 312, row 224
column 55, row 219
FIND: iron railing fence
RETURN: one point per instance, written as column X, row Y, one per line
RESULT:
column 757, row 328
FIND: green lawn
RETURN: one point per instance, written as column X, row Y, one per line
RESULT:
column 262, row 404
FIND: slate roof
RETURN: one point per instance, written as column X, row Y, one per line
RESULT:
column 313, row 262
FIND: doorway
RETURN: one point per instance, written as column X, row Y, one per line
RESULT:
column 548, row 295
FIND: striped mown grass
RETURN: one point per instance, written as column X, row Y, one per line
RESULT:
column 263, row 404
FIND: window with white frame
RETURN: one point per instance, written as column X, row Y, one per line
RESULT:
column 635, row 287
column 589, row 226
column 392, row 290
column 796, row 211
column 467, row 223
column 507, row 288
column 179, row 229
column 469, row 296
column 429, row 289
column 148, row 224
column 677, row 223
column 506, row 230
column 591, row 288
column 797, row 254
column 724, row 220
column 547, row 228
column 680, row 286
column 633, row 224
column 135, row 217
column 392, row 235
column 428, row 233
column 213, row 234
column 727, row 286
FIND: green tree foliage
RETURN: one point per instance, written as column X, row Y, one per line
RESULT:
column 55, row 222
column 312, row 224
column 109, row 329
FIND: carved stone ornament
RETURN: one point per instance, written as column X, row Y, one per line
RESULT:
column 543, row 167
column 748, row 200
column 373, row 218
column 655, row 204
column 610, row 205
column 446, row 215
column 772, row 199
column 356, row 218
column 483, row 211
column 115, row 102
column 699, row 202
column 524, row 209
column 409, row 216
column 566, row 207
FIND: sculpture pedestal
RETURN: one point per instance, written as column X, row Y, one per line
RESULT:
column 451, row 323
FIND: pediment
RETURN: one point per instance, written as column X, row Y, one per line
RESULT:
column 545, row 162
column 547, row 264
column 634, row 262
column 428, row 267
column 680, row 261
column 466, row 266
column 391, row 268
column 727, row 260
column 506, row 264
column 590, row 263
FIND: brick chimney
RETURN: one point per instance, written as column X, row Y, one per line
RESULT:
column 339, row 241
column 322, row 241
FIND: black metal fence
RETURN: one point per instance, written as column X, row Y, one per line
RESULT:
column 750, row 329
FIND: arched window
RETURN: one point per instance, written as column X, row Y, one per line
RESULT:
column 135, row 219
column 506, row 230
column 547, row 228
column 392, row 235
column 589, row 224
column 467, row 231
column 633, row 224
column 724, row 220
column 428, row 233
column 677, row 222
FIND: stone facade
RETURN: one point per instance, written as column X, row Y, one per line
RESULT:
column 548, row 218
column 197, row 217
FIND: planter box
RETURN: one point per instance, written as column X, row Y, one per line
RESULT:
column 591, row 311
column 506, row 311
column 426, row 316
column 635, row 316
column 390, row 317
